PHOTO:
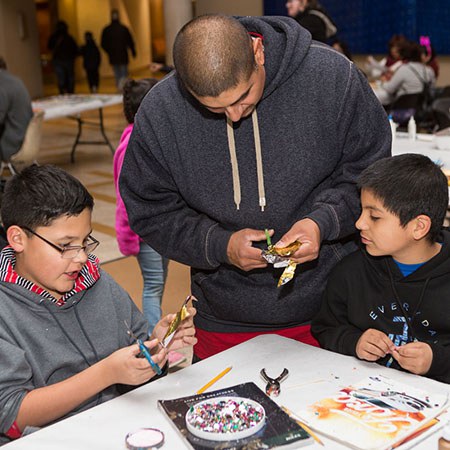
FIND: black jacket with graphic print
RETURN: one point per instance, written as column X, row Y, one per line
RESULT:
column 362, row 293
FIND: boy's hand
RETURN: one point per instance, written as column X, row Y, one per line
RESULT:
column 124, row 367
column 373, row 345
column 185, row 334
column 415, row 357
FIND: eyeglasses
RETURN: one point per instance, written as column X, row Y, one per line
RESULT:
column 71, row 251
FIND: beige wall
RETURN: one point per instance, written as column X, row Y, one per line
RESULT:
column 444, row 72
column 176, row 14
column 232, row 7
column 139, row 24
column 19, row 42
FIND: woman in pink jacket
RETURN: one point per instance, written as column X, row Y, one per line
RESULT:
column 153, row 265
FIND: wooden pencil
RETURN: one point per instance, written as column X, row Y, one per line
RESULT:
column 216, row 378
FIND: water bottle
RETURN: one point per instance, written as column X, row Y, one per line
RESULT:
column 412, row 129
column 393, row 127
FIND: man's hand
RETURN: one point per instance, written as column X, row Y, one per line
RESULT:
column 415, row 357
column 308, row 233
column 373, row 345
column 241, row 252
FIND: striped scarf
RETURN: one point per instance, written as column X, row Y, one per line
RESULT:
column 87, row 277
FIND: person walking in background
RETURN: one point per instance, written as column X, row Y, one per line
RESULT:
column 15, row 112
column 311, row 15
column 91, row 61
column 153, row 266
column 116, row 40
column 64, row 51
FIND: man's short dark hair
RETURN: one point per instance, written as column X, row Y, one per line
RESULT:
column 409, row 185
column 39, row 195
column 212, row 54
column 133, row 93
column 3, row 63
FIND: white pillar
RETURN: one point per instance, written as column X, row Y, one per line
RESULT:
column 176, row 14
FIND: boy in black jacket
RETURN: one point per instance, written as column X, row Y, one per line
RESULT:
column 390, row 302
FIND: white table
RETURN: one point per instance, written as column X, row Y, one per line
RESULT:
column 71, row 106
column 312, row 371
column 424, row 145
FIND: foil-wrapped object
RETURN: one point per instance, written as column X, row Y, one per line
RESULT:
column 287, row 274
column 180, row 316
column 279, row 257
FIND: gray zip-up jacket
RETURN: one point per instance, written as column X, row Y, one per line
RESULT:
column 319, row 124
column 42, row 343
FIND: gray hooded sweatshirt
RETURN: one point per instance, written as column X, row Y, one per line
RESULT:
column 15, row 114
column 319, row 125
column 42, row 343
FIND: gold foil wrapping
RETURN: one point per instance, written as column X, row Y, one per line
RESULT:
column 278, row 256
column 288, row 274
column 179, row 317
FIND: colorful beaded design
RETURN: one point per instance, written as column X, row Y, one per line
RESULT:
column 231, row 415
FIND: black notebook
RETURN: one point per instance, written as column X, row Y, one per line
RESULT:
column 279, row 430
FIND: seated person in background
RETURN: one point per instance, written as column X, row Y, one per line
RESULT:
column 15, row 112
column 64, row 345
column 389, row 302
column 386, row 67
column 311, row 15
column 429, row 57
column 409, row 78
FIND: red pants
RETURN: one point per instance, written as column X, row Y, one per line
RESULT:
column 209, row 343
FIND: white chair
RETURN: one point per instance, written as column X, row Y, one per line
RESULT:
column 29, row 150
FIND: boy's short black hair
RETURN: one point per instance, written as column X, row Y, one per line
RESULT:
column 134, row 92
column 409, row 185
column 39, row 195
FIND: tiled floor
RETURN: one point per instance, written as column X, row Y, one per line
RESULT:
column 93, row 166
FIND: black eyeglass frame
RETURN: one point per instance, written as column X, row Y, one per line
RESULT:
column 62, row 250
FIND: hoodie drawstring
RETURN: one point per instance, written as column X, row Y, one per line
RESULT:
column 234, row 162
column 408, row 318
column 259, row 165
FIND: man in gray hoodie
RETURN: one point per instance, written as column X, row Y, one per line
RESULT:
column 258, row 127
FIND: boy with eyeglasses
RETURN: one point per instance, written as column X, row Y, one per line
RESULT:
column 64, row 345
